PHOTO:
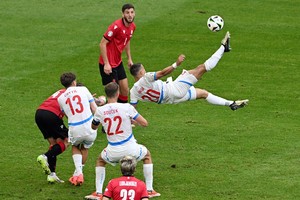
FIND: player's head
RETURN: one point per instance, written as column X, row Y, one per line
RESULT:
column 137, row 70
column 112, row 90
column 67, row 79
column 128, row 13
column 128, row 165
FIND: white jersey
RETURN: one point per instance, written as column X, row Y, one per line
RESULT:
column 75, row 102
column 150, row 89
column 116, row 121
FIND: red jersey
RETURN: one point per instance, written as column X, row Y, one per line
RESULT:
column 51, row 104
column 126, row 187
column 118, row 36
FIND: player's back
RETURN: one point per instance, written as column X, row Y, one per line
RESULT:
column 51, row 104
column 126, row 187
column 148, row 89
column 116, row 120
column 75, row 103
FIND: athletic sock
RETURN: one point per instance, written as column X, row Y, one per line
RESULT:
column 148, row 174
column 100, row 178
column 77, row 158
column 51, row 154
column 213, row 99
column 122, row 99
column 214, row 59
column 55, row 150
column 52, row 163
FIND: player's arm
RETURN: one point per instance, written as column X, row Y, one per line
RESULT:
column 100, row 101
column 93, row 106
column 140, row 120
column 96, row 121
column 128, row 53
column 105, row 198
column 133, row 98
column 95, row 124
column 170, row 69
column 103, row 52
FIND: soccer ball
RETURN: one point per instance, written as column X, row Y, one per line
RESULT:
column 215, row 23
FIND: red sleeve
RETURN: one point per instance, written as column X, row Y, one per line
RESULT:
column 108, row 190
column 111, row 31
column 144, row 192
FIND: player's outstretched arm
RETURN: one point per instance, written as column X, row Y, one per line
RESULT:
column 170, row 69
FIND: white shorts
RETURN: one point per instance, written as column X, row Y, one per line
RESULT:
column 190, row 95
column 113, row 154
column 181, row 89
column 86, row 140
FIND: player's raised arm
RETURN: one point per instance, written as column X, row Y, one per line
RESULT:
column 170, row 69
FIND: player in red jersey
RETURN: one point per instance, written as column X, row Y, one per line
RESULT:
column 126, row 186
column 48, row 118
column 114, row 41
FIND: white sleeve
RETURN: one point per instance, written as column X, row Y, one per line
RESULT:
column 89, row 95
column 150, row 76
column 133, row 97
column 97, row 117
column 133, row 113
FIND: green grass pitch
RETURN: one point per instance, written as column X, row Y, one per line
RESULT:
column 200, row 151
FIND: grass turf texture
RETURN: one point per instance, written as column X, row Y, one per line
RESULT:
column 200, row 151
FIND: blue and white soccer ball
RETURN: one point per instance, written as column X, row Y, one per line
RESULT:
column 215, row 23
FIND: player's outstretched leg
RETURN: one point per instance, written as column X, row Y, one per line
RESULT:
column 214, row 59
column 43, row 160
column 238, row 104
column 226, row 42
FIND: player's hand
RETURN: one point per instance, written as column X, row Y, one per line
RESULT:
column 130, row 63
column 180, row 59
column 100, row 101
column 107, row 69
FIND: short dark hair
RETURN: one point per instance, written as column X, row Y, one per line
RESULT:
column 135, row 68
column 111, row 89
column 127, row 6
column 79, row 84
column 67, row 79
column 128, row 165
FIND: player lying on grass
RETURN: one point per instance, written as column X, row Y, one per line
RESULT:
column 149, row 88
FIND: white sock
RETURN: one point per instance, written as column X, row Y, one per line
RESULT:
column 213, row 99
column 214, row 59
column 100, row 178
column 148, row 174
column 77, row 158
